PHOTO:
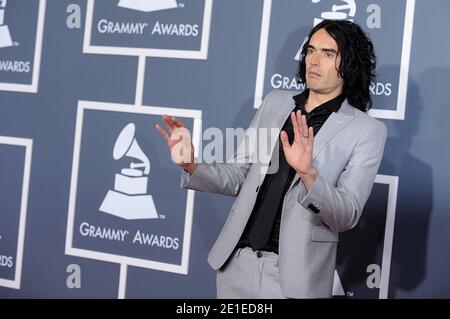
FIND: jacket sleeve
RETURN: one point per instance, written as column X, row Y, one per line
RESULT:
column 340, row 207
column 227, row 178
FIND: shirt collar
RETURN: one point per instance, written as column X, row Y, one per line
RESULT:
column 333, row 104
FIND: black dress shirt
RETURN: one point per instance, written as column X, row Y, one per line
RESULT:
column 263, row 228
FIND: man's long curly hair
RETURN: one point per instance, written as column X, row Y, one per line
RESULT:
column 358, row 60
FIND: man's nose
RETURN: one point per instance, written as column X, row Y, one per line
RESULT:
column 314, row 60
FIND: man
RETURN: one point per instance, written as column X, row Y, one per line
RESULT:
column 281, row 235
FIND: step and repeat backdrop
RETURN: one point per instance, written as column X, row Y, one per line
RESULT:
column 90, row 203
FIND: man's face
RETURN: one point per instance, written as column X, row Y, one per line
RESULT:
column 322, row 63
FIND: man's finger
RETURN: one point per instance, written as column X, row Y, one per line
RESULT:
column 303, row 126
column 285, row 140
column 311, row 136
column 300, row 123
column 164, row 134
column 177, row 122
column 169, row 123
column 295, row 125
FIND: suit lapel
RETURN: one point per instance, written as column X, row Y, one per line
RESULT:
column 285, row 109
column 332, row 126
column 285, row 112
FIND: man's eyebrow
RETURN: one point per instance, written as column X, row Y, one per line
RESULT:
column 330, row 50
column 324, row 49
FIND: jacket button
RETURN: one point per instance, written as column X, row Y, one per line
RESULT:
column 259, row 254
column 313, row 208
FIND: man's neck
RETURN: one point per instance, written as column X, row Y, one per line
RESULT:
column 316, row 99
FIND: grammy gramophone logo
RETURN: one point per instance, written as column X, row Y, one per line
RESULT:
column 148, row 5
column 5, row 35
column 343, row 11
column 129, row 198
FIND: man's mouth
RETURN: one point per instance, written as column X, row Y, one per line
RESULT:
column 314, row 74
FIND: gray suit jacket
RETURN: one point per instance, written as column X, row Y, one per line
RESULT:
column 347, row 153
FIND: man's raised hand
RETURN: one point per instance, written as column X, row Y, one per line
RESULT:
column 179, row 142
